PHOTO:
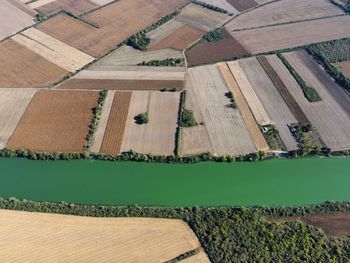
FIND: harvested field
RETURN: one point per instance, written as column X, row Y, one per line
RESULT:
column 53, row 50
column 157, row 137
column 76, row 7
column 243, row 5
column 201, row 18
column 301, row 33
column 22, row 6
column 96, row 147
column 128, row 56
column 207, row 52
column 331, row 116
column 281, row 86
column 39, row 237
column 114, row 132
column 255, row 105
column 255, row 133
column 224, row 4
column 284, row 11
column 55, row 121
column 343, row 67
column 164, row 31
column 201, row 257
column 39, row 3
column 13, row 104
column 23, row 68
column 133, row 78
column 225, row 126
column 336, row 224
column 180, row 39
column 129, row 15
column 272, row 100
column 12, row 19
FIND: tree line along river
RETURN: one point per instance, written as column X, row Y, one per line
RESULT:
column 269, row 183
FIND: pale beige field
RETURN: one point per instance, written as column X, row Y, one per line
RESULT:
column 158, row 136
column 284, row 11
column 38, row 237
column 13, row 104
column 301, row 33
column 225, row 126
column 39, row 3
column 331, row 116
column 222, row 4
column 272, row 100
column 22, row 6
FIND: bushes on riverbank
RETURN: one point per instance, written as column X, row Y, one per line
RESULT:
column 230, row 234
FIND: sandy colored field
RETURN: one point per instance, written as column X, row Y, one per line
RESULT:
column 331, row 116
column 284, row 11
column 128, row 56
column 38, row 237
column 76, row 7
column 25, row 8
column 13, row 103
column 201, row 257
column 53, row 50
column 224, row 4
column 254, row 130
column 243, row 5
column 158, row 136
column 39, row 3
column 201, row 18
column 226, row 128
column 12, row 19
column 114, row 131
column 164, row 31
column 113, row 24
column 55, row 121
column 22, row 68
column 272, row 100
column 301, row 33
column 180, row 39
column 281, row 85
column 344, row 67
column 96, row 146
column 255, row 105
column 207, row 52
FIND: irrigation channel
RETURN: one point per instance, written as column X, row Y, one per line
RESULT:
column 269, row 183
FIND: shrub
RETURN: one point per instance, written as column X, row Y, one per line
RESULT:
column 142, row 118
column 188, row 119
column 214, row 35
column 169, row 62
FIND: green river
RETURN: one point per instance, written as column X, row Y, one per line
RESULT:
column 270, row 183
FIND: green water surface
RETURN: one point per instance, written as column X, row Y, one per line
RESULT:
column 270, row 183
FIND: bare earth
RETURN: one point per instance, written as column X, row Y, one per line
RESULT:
column 13, row 104
column 344, row 67
column 38, row 237
column 55, row 121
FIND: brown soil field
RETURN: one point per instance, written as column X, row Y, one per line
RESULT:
column 13, row 104
column 344, row 67
column 129, row 15
column 272, row 38
column 272, row 100
column 281, row 87
column 76, row 7
column 113, row 137
column 12, row 19
column 243, row 5
column 227, row 70
column 181, row 39
column 39, row 237
column 55, row 121
column 336, row 224
column 22, row 68
column 164, row 31
column 331, row 116
column 157, row 137
column 207, row 52
column 284, row 11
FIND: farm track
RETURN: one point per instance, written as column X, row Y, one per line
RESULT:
column 114, row 132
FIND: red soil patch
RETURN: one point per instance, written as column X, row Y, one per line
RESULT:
column 242, row 5
column 55, row 121
column 76, row 7
column 208, row 52
column 181, row 39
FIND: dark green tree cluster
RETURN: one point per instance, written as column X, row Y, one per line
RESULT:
column 211, row 7
column 142, row 118
column 214, row 35
column 188, row 119
column 139, row 41
column 169, row 62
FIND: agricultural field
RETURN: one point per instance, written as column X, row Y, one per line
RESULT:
column 284, row 11
column 13, row 104
column 13, row 19
column 344, row 67
column 55, row 121
column 23, row 68
column 331, row 116
column 272, row 38
column 75, row 7
column 335, row 50
column 224, row 4
column 35, row 237
column 100, row 31
column 243, row 5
